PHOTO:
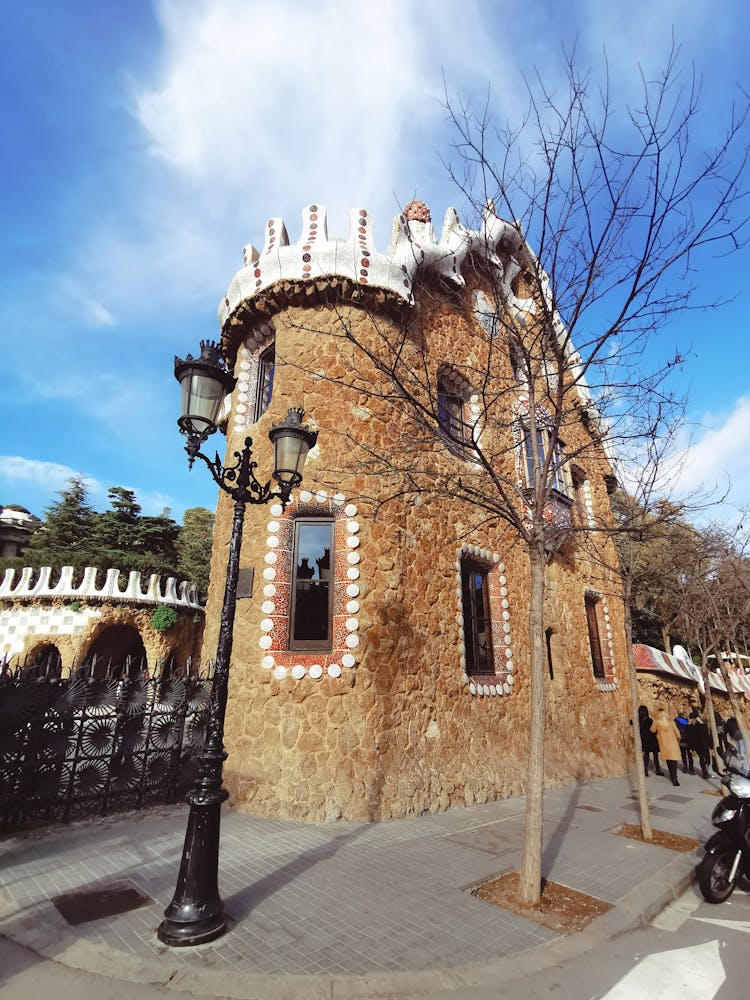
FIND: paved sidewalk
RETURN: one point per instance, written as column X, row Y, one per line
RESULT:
column 351, row 910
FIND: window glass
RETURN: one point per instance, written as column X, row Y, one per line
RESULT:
column 476, row 610
column 312, row 589
column 451, row 411
column 594, row 641
column 266, row 364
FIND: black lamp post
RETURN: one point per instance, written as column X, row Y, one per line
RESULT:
column 196, row 913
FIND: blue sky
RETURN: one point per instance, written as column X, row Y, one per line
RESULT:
column 144, row 144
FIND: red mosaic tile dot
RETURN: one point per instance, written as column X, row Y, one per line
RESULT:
column 362, row 213
column 270, row 222
column 365, row 262
column 363, row 281
column 307, row 247
column 313, row 225
column 362, row 229
column 363, row 271
column 256, row 272
column 313, row 217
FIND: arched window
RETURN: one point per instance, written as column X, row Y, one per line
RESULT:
column 264, row 391
column 452, row 398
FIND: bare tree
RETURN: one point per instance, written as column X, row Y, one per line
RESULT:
column 565, row 367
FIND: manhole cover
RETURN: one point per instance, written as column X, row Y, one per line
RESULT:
column 105, row 900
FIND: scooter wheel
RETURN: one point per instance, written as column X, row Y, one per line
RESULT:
column 713, row 876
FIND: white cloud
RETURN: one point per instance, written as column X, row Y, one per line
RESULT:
column 50, row 475
column 719, row 457
column 53, row 477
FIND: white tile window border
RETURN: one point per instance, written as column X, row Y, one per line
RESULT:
column 502, row 644
column 340, row 510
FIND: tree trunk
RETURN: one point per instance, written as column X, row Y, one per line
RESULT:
column 530, row 887
column 634, row 699
column 710, row 712
column 665, row 639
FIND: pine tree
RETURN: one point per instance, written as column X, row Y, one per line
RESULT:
column 65, row 537
column 194, row 547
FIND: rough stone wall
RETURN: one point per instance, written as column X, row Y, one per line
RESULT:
column 403, row 730
column 676, row 696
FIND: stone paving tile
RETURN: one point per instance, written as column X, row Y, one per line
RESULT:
column 347, row 898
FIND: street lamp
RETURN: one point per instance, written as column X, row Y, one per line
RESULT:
column 196, row 913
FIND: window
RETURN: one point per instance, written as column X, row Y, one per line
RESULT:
column 452, row 394
column 265, row 381
column 559, row 475
column 311, row 611
column 592, row 622
column 518, row 362
column 476, row 609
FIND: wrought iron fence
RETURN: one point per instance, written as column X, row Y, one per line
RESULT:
column 97, row 741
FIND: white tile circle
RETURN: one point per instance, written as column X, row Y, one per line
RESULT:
column 316, row 671
column 352, row 607
column 268, row 663
column 352, row 558
column 352, row 641
column 352, row 574
column 265, row 642
column 334, row 670
column 269, row 590
column 350, row 510
column 268, row 607
column 305, row 496
column 276, row 510
column 279, row 672
column 352, row 590
column 352, row 624
column 348, row 660
column 352, row 527
column 269, row 573
column 298, row 671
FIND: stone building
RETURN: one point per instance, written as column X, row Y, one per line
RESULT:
column 381, row 661
column 17, row 526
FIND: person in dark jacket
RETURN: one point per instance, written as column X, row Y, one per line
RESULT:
column 699, row 740
column 683, row 724
column 649, row 742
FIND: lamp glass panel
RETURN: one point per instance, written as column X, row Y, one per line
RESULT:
column 201, row 398
column 290, row 454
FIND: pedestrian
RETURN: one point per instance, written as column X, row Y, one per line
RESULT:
column 649, row 742
column 669, row 743
column 699, row 740
column 721, row 732
column 733, row 731
column 683, row 725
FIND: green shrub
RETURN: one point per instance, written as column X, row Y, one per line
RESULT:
column 163, row 618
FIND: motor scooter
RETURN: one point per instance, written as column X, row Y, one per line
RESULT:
column 727, row 857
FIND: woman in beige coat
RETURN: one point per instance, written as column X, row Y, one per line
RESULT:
column 669, row 743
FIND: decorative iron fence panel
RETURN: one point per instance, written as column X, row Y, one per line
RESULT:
column 85, row 744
